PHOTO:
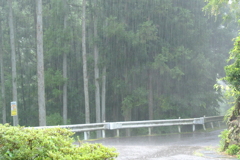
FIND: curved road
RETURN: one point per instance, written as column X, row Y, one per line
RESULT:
column 187, row 146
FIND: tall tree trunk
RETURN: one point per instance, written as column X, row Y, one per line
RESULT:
column 65, row 71
column 23, row 109
column 13, row 55
column 4, row 117
column 84, row 57
column 96, row 71
column 128, row 117
column 150, row 95
column 128, row 111
column 104, row 94
column 40, row 66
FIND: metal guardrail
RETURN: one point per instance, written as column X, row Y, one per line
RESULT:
column 86, row 128
column 156, row 123
column 213, row 119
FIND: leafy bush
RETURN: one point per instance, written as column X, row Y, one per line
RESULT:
column 233, row 149
column 20, row 143
column 224, row 140
column 56, row 119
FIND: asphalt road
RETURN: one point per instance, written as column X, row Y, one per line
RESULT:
column 186, row 146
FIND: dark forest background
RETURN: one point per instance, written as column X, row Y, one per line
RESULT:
column 146, row 59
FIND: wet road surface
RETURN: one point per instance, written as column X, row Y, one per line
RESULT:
column 186, row 146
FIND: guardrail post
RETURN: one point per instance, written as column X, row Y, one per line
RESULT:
column 103, row 133
column 179, row 127
column 118, row 133
column 212, row 124
column 204, row 123
column 149, row 131
column 193, row 127
column 86, row 135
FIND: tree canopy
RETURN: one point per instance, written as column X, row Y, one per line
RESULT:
column 156, row 59
column 230, row 139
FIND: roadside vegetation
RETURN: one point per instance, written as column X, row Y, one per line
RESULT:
column 230, row 138
column 21, row 143
column 146, row 60
column 226, row 147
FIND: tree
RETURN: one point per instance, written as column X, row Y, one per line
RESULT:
column 232, row 73
column 40, row 65
column 150, row 65
column 84, row 58
column 147, row 34
column 4, row 114
column 103, row 94
column 96, row 69
column 159, row 40
column 13, row 55
column 65, row 70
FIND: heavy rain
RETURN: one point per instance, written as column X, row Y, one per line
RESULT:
column 69, row 62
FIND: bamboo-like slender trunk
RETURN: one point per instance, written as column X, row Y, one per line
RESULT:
column 84, row 57
column 96, row 72
column 13, row 57
column 65, row 72
column 150, row 95
column 40, row 66
column 104, row 94
column 4, row 117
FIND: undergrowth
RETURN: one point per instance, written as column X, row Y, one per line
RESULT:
column 21, row 143
column 230, row 149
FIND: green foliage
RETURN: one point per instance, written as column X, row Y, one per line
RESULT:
column 53, row 78
column 115, row 28
column 171, row 39
column 224, row 139
column 147, row 32
column 232, row 77
column 139, row 131
column 233, row 149
column 233, row 70
column 229, row 113
column 136, row 99
column 214, row 6
column 20, row 143
column 56, row 119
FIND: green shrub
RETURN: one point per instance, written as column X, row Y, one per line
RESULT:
column 224, row 140
column 233, row 149
column 56, row 119
column 20, row 143
column 238, row 156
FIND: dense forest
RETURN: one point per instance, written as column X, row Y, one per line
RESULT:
column 111, row 60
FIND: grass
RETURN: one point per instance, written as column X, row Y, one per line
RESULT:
column 196, row 153
column 210, row 148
